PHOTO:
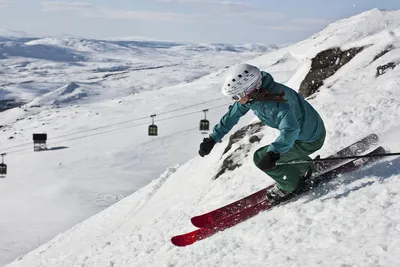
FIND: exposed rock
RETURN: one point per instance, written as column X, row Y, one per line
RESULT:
column 254, row 139
column 234, row 160
column 387, row 49
column 324, row 65
column 229, row 163
column 383, row 69
column 237, row 136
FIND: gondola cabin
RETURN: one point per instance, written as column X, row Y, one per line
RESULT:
column 3, row 167
column 204, row 123
column 153, row 129
column 39, row 141
column 204, row 126
column 3, row 170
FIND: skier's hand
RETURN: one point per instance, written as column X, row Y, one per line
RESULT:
column 269, row 161
column 206, row 146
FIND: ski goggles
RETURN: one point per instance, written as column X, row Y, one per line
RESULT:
column 248, row 91
column 239, row 96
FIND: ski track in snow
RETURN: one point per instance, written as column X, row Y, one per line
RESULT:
column 352, row 221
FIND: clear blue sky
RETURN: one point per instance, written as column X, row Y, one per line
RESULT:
column 223, row 21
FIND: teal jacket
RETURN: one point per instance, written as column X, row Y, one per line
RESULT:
column 296, row 119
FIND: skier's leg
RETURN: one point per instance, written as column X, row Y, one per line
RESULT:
column 288, row 176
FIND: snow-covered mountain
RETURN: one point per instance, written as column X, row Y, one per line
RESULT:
column 100, row 152
column 76, row 89
column 32, row 67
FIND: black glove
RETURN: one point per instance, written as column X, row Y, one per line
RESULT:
column 206, row 146
column 269, row 161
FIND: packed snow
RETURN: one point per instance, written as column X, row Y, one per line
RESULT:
column 99, row 152
column 77, row 90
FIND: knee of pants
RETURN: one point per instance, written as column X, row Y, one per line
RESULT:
column 258, row 156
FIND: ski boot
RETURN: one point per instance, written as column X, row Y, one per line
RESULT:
column 305, row 183
column 274, row 194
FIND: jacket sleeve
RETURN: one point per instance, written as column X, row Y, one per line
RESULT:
column 289, row 132
column 230, row 119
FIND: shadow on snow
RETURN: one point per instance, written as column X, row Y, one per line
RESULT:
column 380, row 170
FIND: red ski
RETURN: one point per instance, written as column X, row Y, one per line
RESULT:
column 207, row 220
column 199, row 234
column 242, row 210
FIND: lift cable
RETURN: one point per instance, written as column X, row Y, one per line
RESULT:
column 111, row 130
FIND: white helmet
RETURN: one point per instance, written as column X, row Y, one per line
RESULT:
column 241, row 78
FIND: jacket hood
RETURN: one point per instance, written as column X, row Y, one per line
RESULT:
column 267, row 81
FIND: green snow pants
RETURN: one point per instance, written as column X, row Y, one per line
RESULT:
column 288, row 176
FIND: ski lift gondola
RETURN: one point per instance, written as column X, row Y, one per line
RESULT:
column 39, row 141
column 153, row 130
column 204, row 124
column 3, row 167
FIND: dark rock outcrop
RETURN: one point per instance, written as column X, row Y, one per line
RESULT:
column 387, row 49
column 324, row 65
column 234, row 160
column 237, row 136
column 231, row 162
column 384, row 68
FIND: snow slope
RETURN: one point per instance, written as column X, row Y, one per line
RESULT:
column 352, row 221
column 77, row 90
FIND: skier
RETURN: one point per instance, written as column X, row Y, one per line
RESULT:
column 302, row 130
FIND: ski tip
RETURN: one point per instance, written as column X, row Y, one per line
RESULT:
column 197, row 222
column 177, row 241
column 183, row 240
